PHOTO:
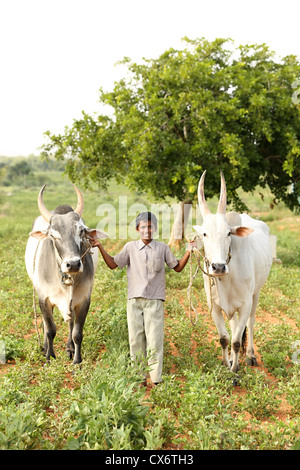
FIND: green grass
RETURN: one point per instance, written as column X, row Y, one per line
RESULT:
column 100, row 405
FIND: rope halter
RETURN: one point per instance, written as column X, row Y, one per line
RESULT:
column 199, row 251
column 66, row 278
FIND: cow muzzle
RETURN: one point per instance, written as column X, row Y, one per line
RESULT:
column 218, row 269
column 71, row 266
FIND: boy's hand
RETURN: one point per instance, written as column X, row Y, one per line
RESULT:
column 191, row 246
column 94, row 242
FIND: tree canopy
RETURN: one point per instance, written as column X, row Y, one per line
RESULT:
column 210, row 106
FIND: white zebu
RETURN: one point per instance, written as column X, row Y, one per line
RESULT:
column 239, row 254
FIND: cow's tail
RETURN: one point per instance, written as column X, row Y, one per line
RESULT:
column 244, row 341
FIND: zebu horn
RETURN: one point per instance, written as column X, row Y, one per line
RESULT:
column 80, row 205
column 43, row 209
column 223, row 197
column 201, row 197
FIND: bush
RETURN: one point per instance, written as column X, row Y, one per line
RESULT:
column 20, row 427
column 11, row 347
column 110, row 414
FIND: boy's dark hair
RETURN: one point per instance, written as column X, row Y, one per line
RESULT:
column 145, row 216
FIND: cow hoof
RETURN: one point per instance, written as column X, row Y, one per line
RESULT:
column 251, row 361
column 69, row 354
column 77, row 362
column 49, row 356
column 236, row 381
column 227, row 364
column 237, row 367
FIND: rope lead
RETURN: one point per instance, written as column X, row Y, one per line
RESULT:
column 197, row 252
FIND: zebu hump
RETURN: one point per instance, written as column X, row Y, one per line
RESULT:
column 233, row 218
column 63, row 209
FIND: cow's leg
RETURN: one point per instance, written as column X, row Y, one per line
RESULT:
column 233, row 326
column 237, row 334
column 45, row 345
column 250, row 356
column 77, row 334
column 70, row 343
column 223, row 333
column 49, row 328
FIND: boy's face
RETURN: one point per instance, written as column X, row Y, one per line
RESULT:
column 146, row 230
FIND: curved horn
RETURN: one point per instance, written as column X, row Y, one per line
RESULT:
column 43, row 209
column 201, row 197
column 223, row 197
column 80, row 205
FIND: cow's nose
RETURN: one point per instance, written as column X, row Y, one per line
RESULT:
column 218, row 268
column 73, row 265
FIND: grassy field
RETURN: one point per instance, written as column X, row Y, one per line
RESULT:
column 100, row 405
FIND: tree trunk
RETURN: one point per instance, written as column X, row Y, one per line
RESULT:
column 180, row 223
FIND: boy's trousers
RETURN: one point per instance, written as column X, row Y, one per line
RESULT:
column 145, row 319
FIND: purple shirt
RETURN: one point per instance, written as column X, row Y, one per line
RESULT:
column 146, row 268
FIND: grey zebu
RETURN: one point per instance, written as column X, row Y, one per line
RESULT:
column 238, row 252
column 62, row 270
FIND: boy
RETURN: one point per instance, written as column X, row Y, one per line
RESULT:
column 145, row 259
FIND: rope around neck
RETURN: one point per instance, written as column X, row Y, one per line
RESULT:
column 68, row 279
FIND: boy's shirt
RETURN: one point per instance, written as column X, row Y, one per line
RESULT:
column 146, row 268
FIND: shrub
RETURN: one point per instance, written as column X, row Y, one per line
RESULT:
column 11, row 347
column 110, row 414
column 20, row 427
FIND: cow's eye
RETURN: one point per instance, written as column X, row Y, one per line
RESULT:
column 204, row 234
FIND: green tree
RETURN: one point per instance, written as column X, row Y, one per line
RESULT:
column 19, row 171
column 208, row 106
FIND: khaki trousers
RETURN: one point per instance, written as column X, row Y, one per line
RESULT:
column 145, row 319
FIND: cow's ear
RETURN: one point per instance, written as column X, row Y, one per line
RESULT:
column 240, row 231
column 39, row 234
column 95, row 233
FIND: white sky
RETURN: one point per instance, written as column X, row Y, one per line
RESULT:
column 56, row 54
